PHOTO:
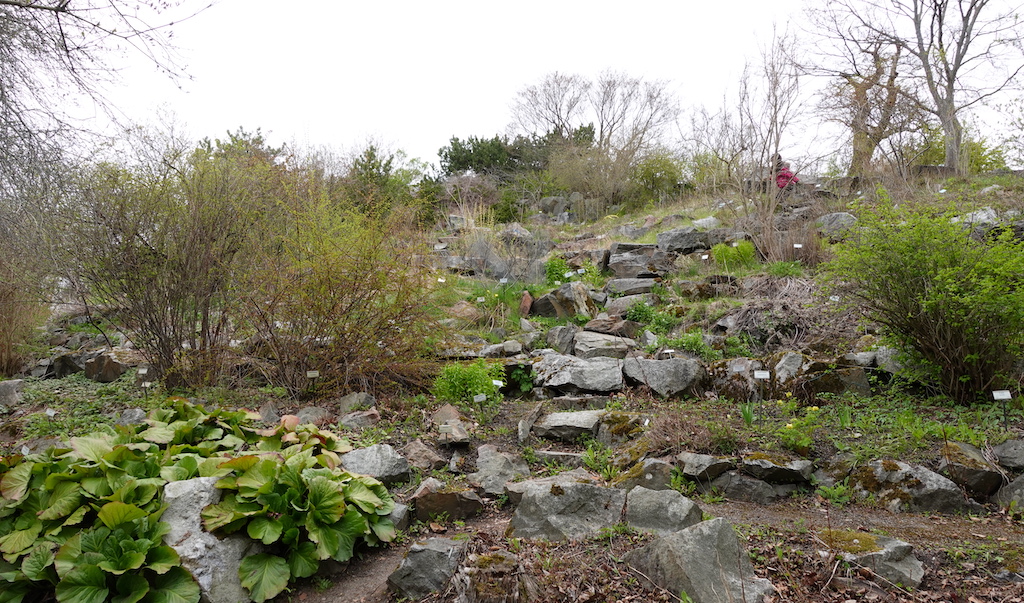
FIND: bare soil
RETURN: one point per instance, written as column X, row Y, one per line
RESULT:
column 968, row 559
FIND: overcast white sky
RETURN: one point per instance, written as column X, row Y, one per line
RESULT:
column 412, row 74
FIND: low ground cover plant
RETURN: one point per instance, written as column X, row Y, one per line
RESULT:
column 84, row 522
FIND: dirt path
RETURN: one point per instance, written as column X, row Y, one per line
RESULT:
column 365, row 579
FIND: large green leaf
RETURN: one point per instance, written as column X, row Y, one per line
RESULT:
column 130, row 588
column 161, row 559
column 326, row 502
column 65, row 498
column 76, row 517
column 264, row 575
column 351, row 527
column 83, row 584
column 176, row 586
column 21, row 540
column 242, row 463
column 160, row 433
column 360, row 494
column 264, row 529
column 14, row 593
column 384, row 529
column 116, row 513
column 67, row 555
column 36, row 565
column 92, row 448
column 303, row 560
column 15, row 482
column 258, row 479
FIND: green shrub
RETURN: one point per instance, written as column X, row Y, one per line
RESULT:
column 462, row 384
column 734, row 257
column 640, row 312
column 955, row 304
column 554, row 271
column 784, row 269
column 693, row 342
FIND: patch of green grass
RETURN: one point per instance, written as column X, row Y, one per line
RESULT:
column 76, row 405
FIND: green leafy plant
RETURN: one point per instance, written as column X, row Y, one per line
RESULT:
column 839, row 495
column 555, row 270
column 598, row 458
column 520, row 378
column 463, row 384
column 694, row 343
column 84, row 522
column 785, row 269
column 304, row 507
column 954, row 303
column 742, row 254
column 798, row 434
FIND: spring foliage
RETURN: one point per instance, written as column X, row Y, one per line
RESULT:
column 952, row 300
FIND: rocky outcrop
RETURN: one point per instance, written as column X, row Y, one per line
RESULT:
column 427, row 567
column 212, row 561
column 566, row 511
column 901, row 487
column 704, row 561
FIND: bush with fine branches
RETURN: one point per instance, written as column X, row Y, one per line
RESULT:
column 953, row 301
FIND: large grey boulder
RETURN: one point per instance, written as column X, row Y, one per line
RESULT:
column 107, row 367
column 1010, row 454
column 427, row 567
column 562, row 338
column 898, row 486
column 588, row 344
column 10, row 392
column 495, row 469
column 568, row 426
column 1011, row 495
column 777, row 470
column 643, row 261
column 705, row 562
column 212, row 561
column 683, row 240
column 380, row 461
column 515, row 490
column 967, row 466
column 789, row 366
column 570, row 299
column 494, row 577
column 660, row 511
column 574, row 374
column 666, row 377
column 836, row 225
column 567, row 511
column 629, row 286
column 703, row 467
column 653, row 474
column 433, row 499
column 736, row 486
column 617, row 306
column 890, row 560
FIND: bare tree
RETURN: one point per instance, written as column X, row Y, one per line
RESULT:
column 964, row 52
column 52, row 51
column 605, row 125
column 866, row 94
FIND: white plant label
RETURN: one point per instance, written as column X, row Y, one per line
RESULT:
column 147, row 384
column 762, row 375
column 480, row 398
column 569, row 274
column 480, row 300
column 1001, row 394
column 503, row 281
column 445, row 428
column 312, row 374
column 440, row 280
column 798, row 245
column 581, row 270
column 143, row 370
column 498, row 383
column 704, row 257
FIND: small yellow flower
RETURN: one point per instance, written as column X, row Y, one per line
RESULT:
column 814, row 408
column 789, row 426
